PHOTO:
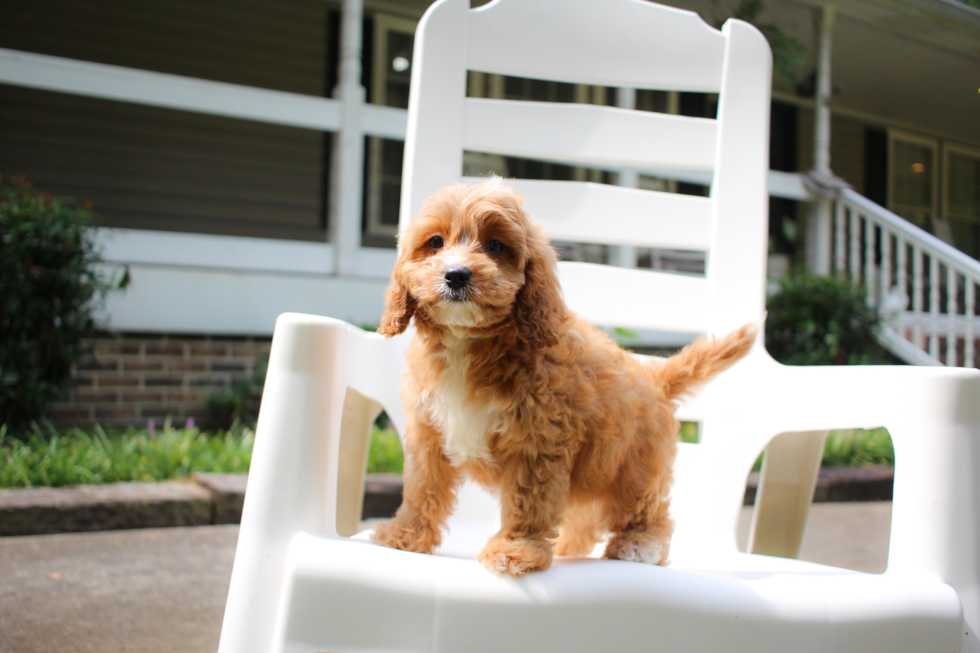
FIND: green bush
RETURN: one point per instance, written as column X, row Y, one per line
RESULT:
column 817, row 320
column 240, row 403
column 49, row 290
column 789, row 54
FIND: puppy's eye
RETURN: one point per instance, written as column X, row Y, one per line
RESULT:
column 495, row 246
column 435, row 242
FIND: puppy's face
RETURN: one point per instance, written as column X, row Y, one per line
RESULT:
column 463, row 258
column 473, row 259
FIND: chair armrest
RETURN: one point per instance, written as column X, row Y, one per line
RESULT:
column 295, row 479
column 933, row 417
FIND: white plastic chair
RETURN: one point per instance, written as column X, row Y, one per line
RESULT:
column 301, row 585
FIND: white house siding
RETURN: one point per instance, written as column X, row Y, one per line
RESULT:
column 273, row 44
column 152, row 168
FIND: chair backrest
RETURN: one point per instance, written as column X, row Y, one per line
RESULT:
column 621, row 43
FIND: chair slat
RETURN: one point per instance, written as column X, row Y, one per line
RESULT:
column 630, row 298
column 589, row 134
column 656, row 47
column 612, row 215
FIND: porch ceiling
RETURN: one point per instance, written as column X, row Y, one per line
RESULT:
column 912, row 62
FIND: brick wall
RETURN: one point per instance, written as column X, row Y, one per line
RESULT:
column 129, row 379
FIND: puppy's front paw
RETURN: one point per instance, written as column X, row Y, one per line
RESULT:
column 397, row 536
column 515, row 557
column 638, row 547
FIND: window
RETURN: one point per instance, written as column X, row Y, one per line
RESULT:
column 938, row 194
column 394, row 39
column 912, row 182
column 961, row 200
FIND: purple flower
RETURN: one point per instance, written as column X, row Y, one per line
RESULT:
column 151, row 426
column 190, row 423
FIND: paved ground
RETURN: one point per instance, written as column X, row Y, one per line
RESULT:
column 163, row 590
column 851, row 535
column 146, row 591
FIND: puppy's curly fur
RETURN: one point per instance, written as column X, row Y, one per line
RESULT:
column 507, row 386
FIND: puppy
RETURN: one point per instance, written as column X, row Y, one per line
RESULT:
column 507, row 386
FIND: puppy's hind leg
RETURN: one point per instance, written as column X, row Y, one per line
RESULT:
column 647, row 539
column 640, row 521
column 582, row 528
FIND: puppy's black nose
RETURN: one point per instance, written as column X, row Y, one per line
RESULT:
column 458, row 277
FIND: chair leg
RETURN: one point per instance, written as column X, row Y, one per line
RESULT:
column 355, row 436
column 786, row 484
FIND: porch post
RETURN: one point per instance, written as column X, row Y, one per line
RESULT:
column 347, row 175
column 624, row 256
column 818, row 226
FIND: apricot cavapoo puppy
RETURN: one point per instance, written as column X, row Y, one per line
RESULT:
column 506, row 385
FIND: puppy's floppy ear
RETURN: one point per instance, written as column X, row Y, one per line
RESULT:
column 539, row 309
column 399, row 304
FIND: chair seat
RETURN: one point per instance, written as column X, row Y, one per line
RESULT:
column 352, row 595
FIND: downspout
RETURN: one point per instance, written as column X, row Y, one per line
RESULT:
column 821, row 132
column 624, row 256
column 347, row 179
column 818, row 231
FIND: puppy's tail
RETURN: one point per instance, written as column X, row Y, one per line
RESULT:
column 700, row 361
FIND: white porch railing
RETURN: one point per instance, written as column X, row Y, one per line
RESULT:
column 925, row 288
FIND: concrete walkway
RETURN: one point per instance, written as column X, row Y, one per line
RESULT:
column 163, row 590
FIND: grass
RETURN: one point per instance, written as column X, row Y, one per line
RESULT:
column 689, row 432
column 45, row 457
column 49, row 458
column 844, row 448
column 385, row 454
column 859, row 447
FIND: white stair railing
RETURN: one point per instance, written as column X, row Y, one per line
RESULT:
column 925, row 289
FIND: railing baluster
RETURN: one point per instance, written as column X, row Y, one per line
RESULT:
column 951, row 316
column 839, row 228
column 885, row 273
column 917, row 297
column 901, row 253
column 855, row 262
column 934, row 306
column 935, row 267
column 968, row 290
column 869, row 257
